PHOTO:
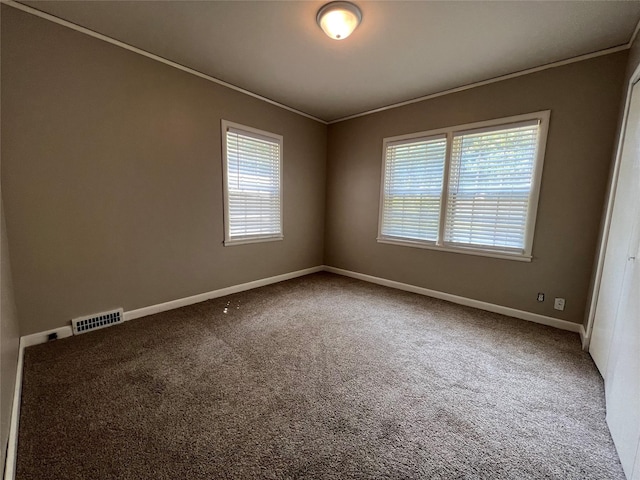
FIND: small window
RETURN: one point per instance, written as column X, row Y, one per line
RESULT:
column 252, row 169
column 472, row 188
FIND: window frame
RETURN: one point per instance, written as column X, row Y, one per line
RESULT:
column 488, row 251
column 276, row 138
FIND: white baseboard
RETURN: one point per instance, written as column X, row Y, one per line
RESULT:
column 12, row 446
column 183, row 302
column 43, row 337
column 469, row 302
column 583, row 338
column 66, row 331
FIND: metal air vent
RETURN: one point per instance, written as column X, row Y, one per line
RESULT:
column 96, row 321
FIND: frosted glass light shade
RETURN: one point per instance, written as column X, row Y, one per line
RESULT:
column 339, row 19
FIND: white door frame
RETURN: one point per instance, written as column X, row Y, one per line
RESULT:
column 604, row 236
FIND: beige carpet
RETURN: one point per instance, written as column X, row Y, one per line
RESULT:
column 319, row 377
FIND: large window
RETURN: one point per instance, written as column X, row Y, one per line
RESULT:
column 252, row 168
column 472, row 188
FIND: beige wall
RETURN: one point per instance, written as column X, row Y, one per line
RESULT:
column 9, row 342
column 113, row 190
column 111, row 176
column 584, row 100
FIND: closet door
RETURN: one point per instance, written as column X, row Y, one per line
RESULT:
column 622, row 222
column 622, row 384
column 615, row 344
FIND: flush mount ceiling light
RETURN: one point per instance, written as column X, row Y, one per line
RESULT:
column 339, row 19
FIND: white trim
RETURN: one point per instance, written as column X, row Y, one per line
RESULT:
column 42, row 337
column 12, row 447
column 131, row 48
column 416, row 137
column 245, row 241
column 66, row 331
column 444, row 196
column 491, row 127
column 471, row 251
column 183, row 302
column 463, row 128
column 560, row 63
column 225, row 127
column 385, row 145
column 583, row 336
column 541, row 118
column 536, row 181
column 604, row 236
column 634, row 35
column 91, row 33
column 25, row 341
column 469, row 302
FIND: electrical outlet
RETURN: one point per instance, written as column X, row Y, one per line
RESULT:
column 558, row 304
column 541, row 297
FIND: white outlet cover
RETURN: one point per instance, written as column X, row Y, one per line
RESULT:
column 558, row 304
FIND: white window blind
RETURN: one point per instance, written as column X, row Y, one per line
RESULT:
column 253, row 163
column 470, row 189
column 413, row 188
column 490, row 180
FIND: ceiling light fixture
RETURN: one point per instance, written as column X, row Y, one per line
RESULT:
column 339, row 19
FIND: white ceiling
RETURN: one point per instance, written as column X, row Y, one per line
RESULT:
column 402, row 50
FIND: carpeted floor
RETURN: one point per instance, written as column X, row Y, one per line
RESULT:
column 319, row 377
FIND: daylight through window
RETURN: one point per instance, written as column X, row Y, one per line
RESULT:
column 252, row 179
column 472, row 188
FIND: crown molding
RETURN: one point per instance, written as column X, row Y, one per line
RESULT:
column 500, row 78
column 113, row 41
column 131, row 48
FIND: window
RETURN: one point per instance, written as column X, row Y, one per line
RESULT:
column 413, row 188
column 472, row 188
column 252, row 170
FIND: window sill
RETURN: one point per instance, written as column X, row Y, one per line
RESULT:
column 244, row 241
column 468, row 251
